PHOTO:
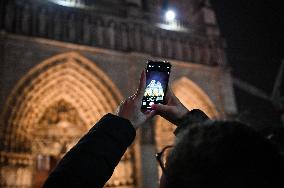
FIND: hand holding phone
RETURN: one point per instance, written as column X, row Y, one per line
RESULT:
column 130, row 108
column 157, row 78
column 173, row 110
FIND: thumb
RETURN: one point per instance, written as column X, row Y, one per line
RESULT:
column 142, row 85
column 162, row 109
column 149, row 114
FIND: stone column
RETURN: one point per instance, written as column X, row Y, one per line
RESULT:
column 178, row 50
column 124, row 37
column 158, row 45
column 26, row 20
column 42, row 23
column 110, row 32
column 57, row 26
column 9, row 20
column 86, row 31
column 99, row 33
column 137, row 38
column 148, row 160
column 148, row 42
column 71, row 28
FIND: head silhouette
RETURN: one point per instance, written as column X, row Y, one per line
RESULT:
column 222, row 154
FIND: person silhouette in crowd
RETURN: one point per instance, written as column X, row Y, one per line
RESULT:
column 206, row 153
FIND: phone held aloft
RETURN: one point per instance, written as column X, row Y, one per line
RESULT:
column 157, row 78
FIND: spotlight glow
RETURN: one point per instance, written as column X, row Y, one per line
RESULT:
column 68, row 3
column 170, row 15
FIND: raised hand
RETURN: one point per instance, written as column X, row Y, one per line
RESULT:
column 173, row 110
column 131, row 107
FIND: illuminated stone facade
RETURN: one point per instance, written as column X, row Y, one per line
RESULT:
column 62, row 68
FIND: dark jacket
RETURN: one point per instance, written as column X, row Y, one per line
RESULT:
column 91, row 162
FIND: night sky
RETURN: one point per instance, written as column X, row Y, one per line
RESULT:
column 254, row 36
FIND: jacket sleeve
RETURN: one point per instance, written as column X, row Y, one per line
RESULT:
column 90, row 163
column 192, row 117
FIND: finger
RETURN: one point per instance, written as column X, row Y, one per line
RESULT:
column 121, row 106
column 144, row 111
column 147, row 111
column 122, row 102
column 117, row 112
column 142, row 85
column 161, row 109
column 150, row 113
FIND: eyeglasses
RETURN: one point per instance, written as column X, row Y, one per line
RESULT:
column 163, row 156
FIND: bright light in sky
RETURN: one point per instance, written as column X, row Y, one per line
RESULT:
column 68, row 3
column 170, row 15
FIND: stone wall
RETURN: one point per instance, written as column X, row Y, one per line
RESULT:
column 43, row 19
column 23, row 53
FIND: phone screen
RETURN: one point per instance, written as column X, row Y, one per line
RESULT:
column 157, row 77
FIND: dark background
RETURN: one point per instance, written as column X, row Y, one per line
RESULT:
column 253, row 30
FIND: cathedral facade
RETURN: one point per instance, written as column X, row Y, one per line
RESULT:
column 66, row 63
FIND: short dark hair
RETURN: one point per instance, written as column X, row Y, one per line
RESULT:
column 223, row 154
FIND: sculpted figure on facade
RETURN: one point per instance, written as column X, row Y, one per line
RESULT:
column 10, row 16
column 26, row 20
column 87, row 29
column 57, row 26
column 42, row 22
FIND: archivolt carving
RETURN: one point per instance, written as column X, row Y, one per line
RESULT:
column 69, row 80
column 194, row 97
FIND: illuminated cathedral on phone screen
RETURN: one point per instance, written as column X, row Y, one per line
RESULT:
column 155, row 88
column 154, row 91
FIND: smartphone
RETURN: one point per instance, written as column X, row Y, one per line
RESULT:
column 157, row 78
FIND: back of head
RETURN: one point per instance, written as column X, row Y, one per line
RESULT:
column 223, row 154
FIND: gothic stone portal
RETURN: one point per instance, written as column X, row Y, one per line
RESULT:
column 47, row 112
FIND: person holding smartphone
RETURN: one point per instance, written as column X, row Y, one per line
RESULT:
column 190, row 163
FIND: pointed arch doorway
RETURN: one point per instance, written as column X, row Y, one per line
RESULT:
column 50, row 108
column 193, row 97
